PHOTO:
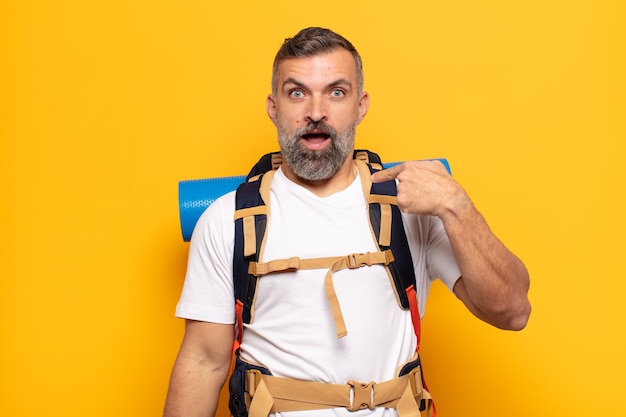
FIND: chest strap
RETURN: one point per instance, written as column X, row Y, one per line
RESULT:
column 334, row 264
column 269, row 394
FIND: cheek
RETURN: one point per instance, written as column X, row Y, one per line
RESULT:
column 289, row 117
column 346, row 111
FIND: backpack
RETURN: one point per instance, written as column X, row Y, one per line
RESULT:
column 252, row 205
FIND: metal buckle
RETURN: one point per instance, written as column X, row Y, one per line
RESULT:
column 363, row 396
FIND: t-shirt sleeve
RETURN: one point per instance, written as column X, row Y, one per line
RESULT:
column 432, row 255
column 207, row 293
column 440, row 259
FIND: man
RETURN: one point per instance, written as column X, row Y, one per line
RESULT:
column 317, row 209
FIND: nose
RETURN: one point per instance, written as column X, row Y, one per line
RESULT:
column 316, row 110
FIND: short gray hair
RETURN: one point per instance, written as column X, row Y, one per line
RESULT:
column 314, row 41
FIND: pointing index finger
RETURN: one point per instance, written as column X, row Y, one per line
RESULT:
column 387, row 174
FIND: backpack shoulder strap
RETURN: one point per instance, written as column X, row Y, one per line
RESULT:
column 251, row 214
column 268, row 162
column 369, row 158
column 388, row 228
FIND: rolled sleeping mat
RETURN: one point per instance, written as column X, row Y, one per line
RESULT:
column 194, row 196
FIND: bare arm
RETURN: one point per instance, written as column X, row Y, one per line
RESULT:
column 494, row 282
column 200, row 370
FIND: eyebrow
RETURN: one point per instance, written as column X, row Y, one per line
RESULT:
column 338, row 82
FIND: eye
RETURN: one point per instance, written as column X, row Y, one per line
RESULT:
column 337, row 93
column 296, row 94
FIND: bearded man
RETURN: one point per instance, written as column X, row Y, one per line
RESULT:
column 346, row 340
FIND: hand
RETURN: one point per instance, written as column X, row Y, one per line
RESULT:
column 494, row 282
column 425, row 187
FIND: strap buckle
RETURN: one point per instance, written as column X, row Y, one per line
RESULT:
column 363, row 396
column 357, row 260
column 352, row 261
column 252, row 380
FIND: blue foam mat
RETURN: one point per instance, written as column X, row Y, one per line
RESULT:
column 194, row 196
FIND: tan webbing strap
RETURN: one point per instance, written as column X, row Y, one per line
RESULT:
column 249, row 229
column 366, row 178
column 334, row 264
column 335, row 308
column 290, row 264
column 385, row 201
column 363, row 156
column 385, row 225
column 352, row 262
column 251, row 211
column 430, row 404
column 262, row 400
column 247, row 214
column 407, row 404
column 264, row 189
column 249, row 236
column 277, row 160
column 268, row 394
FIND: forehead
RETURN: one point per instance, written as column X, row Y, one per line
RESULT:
column 326, row 67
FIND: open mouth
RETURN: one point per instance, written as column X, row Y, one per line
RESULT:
column 316, row 141
column 316, row 137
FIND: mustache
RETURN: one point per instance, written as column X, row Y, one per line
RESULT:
column 318, row 127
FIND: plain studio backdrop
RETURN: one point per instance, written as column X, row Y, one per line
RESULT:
column 106, row 105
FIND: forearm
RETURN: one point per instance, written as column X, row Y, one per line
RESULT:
column 194, row 389
column 494, row 282
column 200, row 370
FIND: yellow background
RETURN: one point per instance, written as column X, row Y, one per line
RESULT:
column 106, row 105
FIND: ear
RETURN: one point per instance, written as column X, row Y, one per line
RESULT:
column 364, row 105
column 270, row 104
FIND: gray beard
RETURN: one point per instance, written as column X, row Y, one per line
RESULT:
column 319, row 165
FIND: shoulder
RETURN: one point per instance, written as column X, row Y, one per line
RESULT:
column 423, row 229
column 216, row 217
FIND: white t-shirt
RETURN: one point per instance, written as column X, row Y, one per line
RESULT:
column 293, row 333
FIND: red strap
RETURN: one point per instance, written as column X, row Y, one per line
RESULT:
column 415, row 314
column 239, row 315
column 415, row 317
